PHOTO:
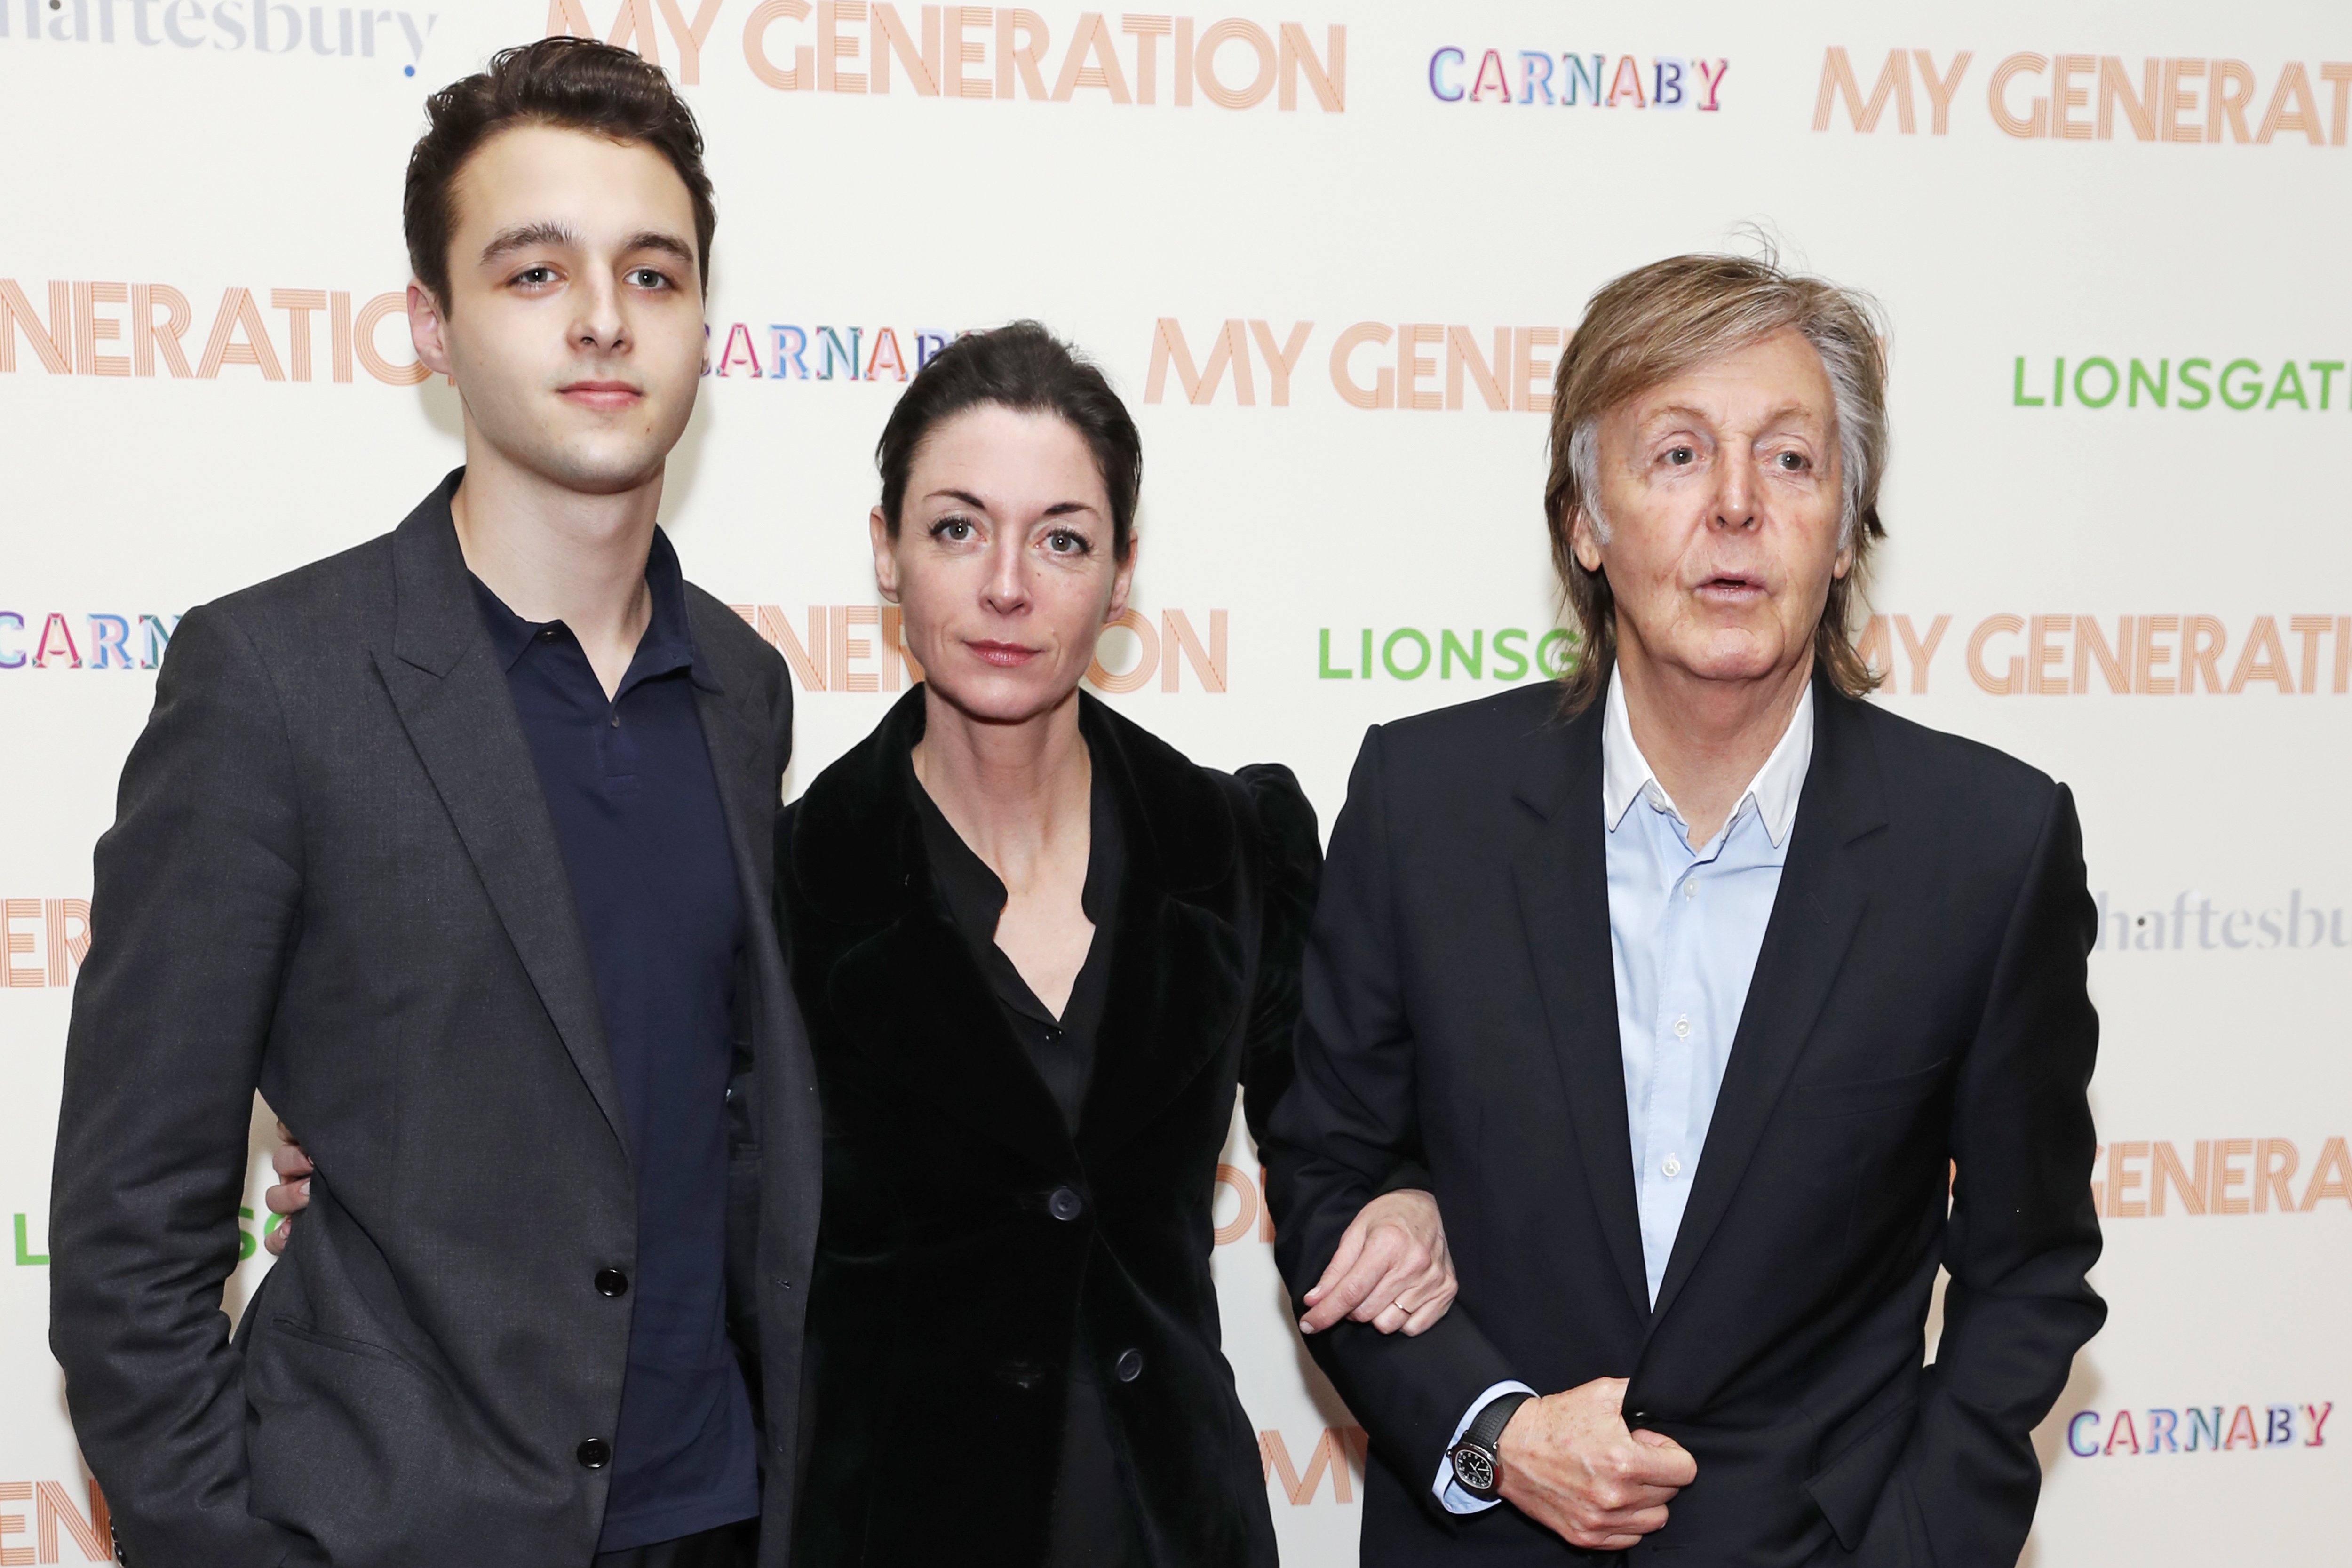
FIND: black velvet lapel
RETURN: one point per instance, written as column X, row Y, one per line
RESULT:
column 453, row 701
column 910, row 987
column 1563, row 886
column 1176, row 985
column 1822, row 897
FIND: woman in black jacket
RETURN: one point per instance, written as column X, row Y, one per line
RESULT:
column 1037, row 949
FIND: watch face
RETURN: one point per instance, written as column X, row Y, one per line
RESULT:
column 1475, row 1471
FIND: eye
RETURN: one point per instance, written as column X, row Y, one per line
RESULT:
column 532, row 277
column 648, row 278
column 1792, row 462
column 954, row 530
column 1680, row 457
column 1063, row 541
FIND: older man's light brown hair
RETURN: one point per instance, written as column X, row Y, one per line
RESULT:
column 1652, row 324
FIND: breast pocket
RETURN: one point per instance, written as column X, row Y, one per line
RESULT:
column 1819, row 1101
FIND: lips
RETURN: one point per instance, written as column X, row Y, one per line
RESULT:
column 1731, row 587
column 1003, row 654
column 603, row 394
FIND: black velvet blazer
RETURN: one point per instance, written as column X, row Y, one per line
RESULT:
column 967, row 1234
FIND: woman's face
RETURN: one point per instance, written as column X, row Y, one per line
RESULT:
column 1003, row 566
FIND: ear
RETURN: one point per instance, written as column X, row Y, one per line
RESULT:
column 428, row 330
column 1123, row 580
column 886, row 556
column 1843, row 563
column 1583, row 542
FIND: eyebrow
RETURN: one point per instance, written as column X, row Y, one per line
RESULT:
column 1779, row 416
column 1059, row 509
column 528, row 236
column 662, row 240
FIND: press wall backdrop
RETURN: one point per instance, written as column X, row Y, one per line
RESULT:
column 1328, row 250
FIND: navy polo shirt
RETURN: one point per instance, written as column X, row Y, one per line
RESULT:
column 629, row 784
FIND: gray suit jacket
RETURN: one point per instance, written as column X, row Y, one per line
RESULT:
column 332, row 874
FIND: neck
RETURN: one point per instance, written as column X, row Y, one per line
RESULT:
column 1707, row 739
column 1012, row 792
column 555, row 554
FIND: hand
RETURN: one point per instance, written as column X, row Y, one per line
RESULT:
column 1568, row 1462
column 1392, row 1269
column 292, row 1192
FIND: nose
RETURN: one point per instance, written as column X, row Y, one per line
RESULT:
column 1006, row 589
column 1734, row 500
column 600, row 325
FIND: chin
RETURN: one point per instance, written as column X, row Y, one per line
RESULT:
column 1733, row 659
column 994, row 696
column 601, row 473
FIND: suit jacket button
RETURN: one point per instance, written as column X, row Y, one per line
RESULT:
column 595, row 1454
column 1129, row 1365
column 1066, row 1204
column 612, row 1282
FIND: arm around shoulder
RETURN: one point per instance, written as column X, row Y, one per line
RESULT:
column 193, row 912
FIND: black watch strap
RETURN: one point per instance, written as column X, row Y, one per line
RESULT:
column 1473, row 1457
column 1485, row 1429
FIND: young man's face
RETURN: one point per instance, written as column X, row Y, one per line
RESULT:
column 573, row 324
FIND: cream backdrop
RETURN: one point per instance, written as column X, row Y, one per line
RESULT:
column 2061, row 283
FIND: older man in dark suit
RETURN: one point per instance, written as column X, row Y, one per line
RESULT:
column 459, row 846
column 1684, row 988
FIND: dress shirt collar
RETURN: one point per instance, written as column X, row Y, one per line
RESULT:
column 1626, row 775
column 667, row 644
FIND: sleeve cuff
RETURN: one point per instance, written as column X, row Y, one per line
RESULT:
column 1448, row 1490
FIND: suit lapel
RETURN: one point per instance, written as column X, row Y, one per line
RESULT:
column 741, row 760
column 915, row 994
column 453, row 701
column 1563, row 886
column 1824, row 895
column 1178, row 967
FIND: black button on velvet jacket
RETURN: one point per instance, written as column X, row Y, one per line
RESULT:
column 950, row 1285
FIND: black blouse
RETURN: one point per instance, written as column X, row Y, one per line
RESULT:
column 1062, row 1048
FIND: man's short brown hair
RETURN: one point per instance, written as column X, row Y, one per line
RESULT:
column 1657, row 322
column 573, row 84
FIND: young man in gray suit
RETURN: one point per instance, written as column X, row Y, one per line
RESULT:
column 458, row 846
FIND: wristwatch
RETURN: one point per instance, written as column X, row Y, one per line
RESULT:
column 1473, row 1457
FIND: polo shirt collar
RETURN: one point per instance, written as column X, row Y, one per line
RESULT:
column 669, row 640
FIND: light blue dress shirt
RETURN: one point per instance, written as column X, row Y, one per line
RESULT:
column 1685, row 927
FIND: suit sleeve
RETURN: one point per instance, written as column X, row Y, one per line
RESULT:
column 1292, row 855
column 2024, row 1233
column 194, row 910
column 1350, row 1130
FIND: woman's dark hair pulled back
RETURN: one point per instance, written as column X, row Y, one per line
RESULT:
column 1027, row 369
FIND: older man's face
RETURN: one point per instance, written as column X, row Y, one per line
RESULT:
column 1720, row 494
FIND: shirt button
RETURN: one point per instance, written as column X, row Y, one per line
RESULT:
column 1670, row 1167
column 1682, row 1028
column 1129, row 1366
column 1690, row 889
column 1064, row 1204
column 616, row 719
column 595, row 1454
column 612, row 1282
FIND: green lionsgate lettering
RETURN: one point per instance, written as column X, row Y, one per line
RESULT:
column 25, row 1257
column 2244, row 383
column 1447, row 653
